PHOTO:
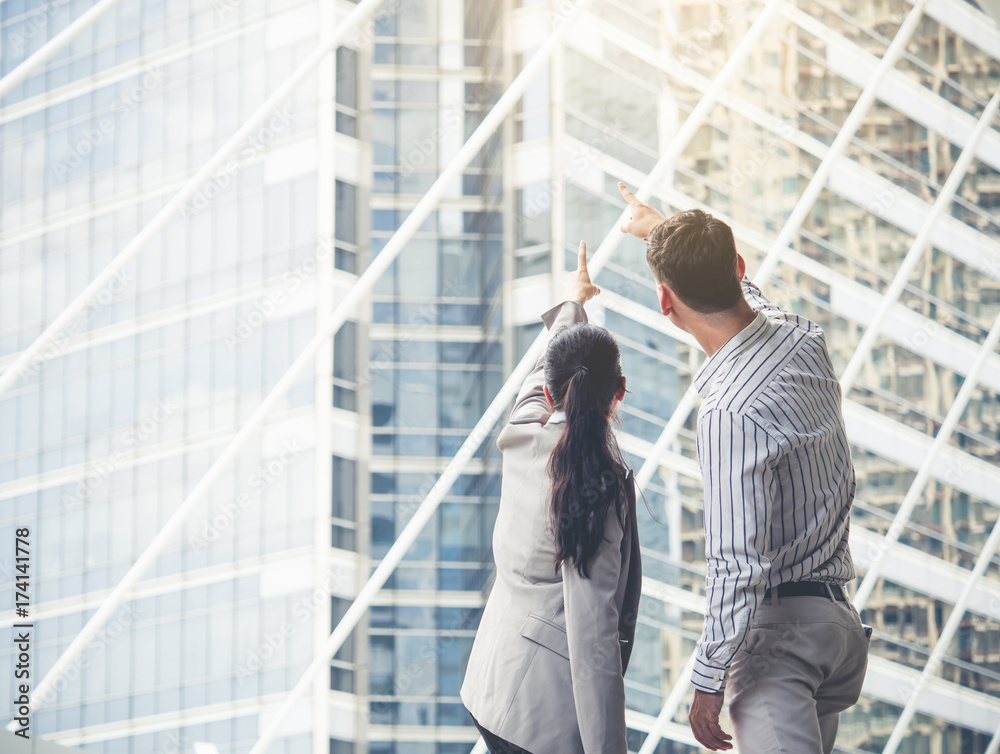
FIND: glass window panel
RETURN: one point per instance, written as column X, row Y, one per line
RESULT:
column 345, row 211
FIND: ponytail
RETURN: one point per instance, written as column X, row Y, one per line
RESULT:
column 586, row 467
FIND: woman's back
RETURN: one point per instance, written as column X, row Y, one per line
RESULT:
column 524, row 546
column 545, row 672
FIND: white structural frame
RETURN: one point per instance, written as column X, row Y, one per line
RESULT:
column 341, row 312
column 849, row 179
column 982, row 562
column 914, row 255
column 910, row 261
column 844, row 137
column 217, row 162
column 994, row 745
column 51, row 48
column 333, row 323
column 45, row 687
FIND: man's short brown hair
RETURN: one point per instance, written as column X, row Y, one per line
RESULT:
column 695, row 254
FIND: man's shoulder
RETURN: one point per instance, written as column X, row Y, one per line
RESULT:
column 785, row 318
column 757, row 385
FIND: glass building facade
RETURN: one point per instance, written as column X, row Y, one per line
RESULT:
column 102, row 439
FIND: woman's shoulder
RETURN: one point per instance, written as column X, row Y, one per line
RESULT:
column 535, row 434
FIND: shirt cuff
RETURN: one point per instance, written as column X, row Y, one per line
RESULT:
column 708, row 677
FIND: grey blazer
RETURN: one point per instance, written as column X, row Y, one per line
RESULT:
column 547, row 665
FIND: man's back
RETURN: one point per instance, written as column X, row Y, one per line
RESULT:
column 781, row 641
column 779, row 484
column 777, row 374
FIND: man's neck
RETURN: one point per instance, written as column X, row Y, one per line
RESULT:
column 713, row 331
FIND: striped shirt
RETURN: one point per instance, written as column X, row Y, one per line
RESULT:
column 777, row 471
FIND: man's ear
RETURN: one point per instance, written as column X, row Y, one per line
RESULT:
column 548, row 395
column 666, row 297
column 741, row 266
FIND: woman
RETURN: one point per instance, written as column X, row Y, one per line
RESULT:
column 545, row 675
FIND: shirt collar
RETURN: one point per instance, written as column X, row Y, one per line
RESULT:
column 557, row 417
column 708, row 371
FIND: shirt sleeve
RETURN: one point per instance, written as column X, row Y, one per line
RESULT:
column 737, row 459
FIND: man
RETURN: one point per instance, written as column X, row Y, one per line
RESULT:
column 780, row 638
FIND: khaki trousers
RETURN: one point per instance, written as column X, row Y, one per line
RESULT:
column 802, row 664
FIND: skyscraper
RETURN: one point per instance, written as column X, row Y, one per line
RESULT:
column 117, row 420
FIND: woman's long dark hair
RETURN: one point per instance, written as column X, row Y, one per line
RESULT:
column 583, row 373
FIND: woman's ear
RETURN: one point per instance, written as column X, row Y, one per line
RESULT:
column 548, row 395
column 620, row 395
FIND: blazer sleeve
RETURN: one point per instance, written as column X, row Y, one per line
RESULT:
column 594, row 650
column 530, row 400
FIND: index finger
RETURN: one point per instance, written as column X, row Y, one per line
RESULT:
column 627, row 195
column 581, row 260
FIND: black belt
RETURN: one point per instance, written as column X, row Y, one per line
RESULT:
column 809, row 589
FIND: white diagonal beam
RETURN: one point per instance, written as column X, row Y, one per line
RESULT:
column 802, row 208
column 982, row 562
column 901, row 92
column 968, row 22
column 994, row 745
column 669, row 708
column 844, row 137
column 51, row 48
column 856, row 183
column 943, row 642
column 848, row 299
column 913, row 256
column 35, row 351
column 333, row 323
